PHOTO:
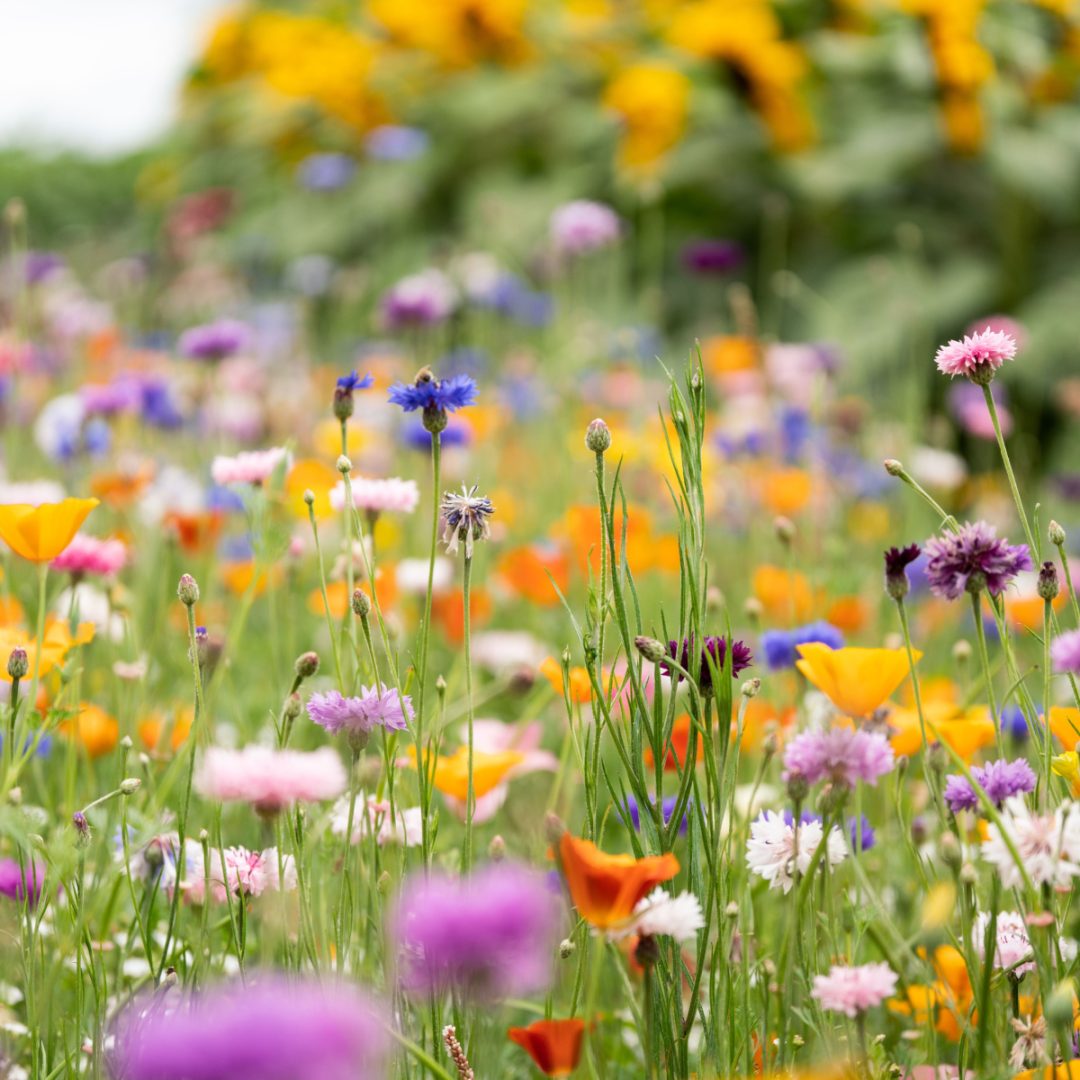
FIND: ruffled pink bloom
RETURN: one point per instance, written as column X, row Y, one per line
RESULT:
column 245, row 873
column 852, row 990
column 1004, row 324
column 375, row 496
column 250, row 467
column 977, row 354
column 841, row 755
column 270, row 779
column 89, row 555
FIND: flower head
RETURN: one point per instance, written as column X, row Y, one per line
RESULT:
column 554, row 1045
column 465, row 517
column 715, row 649
column 17, row 884
column 978, row 356
column 1048, row 844
column 378, row 496
column 343, row 393
column 856, row 681
column 582, row 226
column 776, row 851
column 661, row 914
column 216, row 340
column 1000, row 780
column 379, row 706
column 1013, row 952
column 270, row 779
column 431, row 394
column 1065, row 652
column 40, row 533
column 422, row 299
column 897, row 560
column 842, row 755
column 89, row 555
column 250, row 467
column 780, row 646
column 972, row 559
column 853, row 990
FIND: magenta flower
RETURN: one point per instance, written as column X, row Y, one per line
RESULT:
column 716, row 648
column 216, row 340
column 842, row 755
column 18, row 885
column 972, row 559
column 853, row 990
column 977, row 356
column 1065, row 652
column 377, row 706
column 89, row 555
column 490, row 936
column 267, row 1029
column 1000, row 780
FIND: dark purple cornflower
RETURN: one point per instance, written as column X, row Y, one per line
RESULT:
column 489, row 936
column 897, row 560
column 267, row 1029
column 17, row 885
column 972, row 559
column 715, row 647
column 435, row 397
column 712, row 256
column 215, row 341
column 1000, row 780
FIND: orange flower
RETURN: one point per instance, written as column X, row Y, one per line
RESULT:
column 580, row 684
column 856, row 681
column 785, row 595
column 316, row 476
column 555, row 1045
column 121, row 488
column 337, row 600
column 678, row 746
column 526, row 569
column 727, row 355
column 11, row 611
column 1027, row 611
column 786, row 491
column 966, row 730
column 848, row 613
column 949, row 998
column 40, row 533
column 489, row 770
column 154, row 725
column 194, row 531
column 94, row 728
column 448, row 610
column 238, row 577
column 1065, row 724
column 55, row 645
column 606, row 888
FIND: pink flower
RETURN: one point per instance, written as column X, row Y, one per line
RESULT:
column 977, row 356
column 378, row 496
column 841, row 755
column 89, row 555
column 250, row 467
column 852, row 990
column 1003, row 323
column 270, row 779
column 1013, row 952
column 245, row 873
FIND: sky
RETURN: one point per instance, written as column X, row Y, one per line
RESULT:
column 96, row 75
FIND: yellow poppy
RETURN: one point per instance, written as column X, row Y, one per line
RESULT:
column 965, row 730
column 316, row 476
column 451, row 774
column 55, row 645
column 856, row 681
column 40, row 533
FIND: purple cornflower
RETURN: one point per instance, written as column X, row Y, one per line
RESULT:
column 394, row 142
column 1000, row 780
column 779, row 645
column 326, row 172
column 582, row 226
column 708, row 257
column 490, row 935
column 1065, row 652
column 215, row 341
column 862, row 834
column 343, row 393
column 436, row 397
column 842, row 755
column 715, row 647
column 377, row 706
column 1014, row 723
column 16, row 885
column 973, row 559
column 897, row 560
column 267, row 1029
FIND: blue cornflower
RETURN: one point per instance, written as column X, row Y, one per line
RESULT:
column 353, row 381
column 779, row 646
column 436, row 397
column 1014, row 723
column 865, row 833
column 667, row 808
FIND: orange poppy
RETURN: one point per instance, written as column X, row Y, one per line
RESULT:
column 967, row 731
column 11, row 611
column 786, row 491
column 194, row 532
column 337, row 600
column 55, row 645
column 580, row 684
column 154, row 725
column 122, row 487
column 725, row 355
column 555, row 1045
column 785, row 595
column 1027, row 611
column 448, row 610
column 94, row 728
column 678, row 746
column 848, row 613
column 40, row 533
column 526, row 569
column 948, row 1000
column 451, row 774
column 606, row 888
column 856, row 681
column 238, row 577
column 1065, row 724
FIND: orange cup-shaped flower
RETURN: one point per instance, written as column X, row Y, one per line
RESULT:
column 555, row 1045
column 1065, row 724
column 56, row 644
column 856, row 681
column 40, row 533
column 606, row 888
column 94, row 728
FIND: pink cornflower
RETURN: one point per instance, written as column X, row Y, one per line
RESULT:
column 583, row 226
column 249, row 467
column 1013, row 952
column 1065, row 652
column 853, row 990
column 977, row 356
column 245, row 873
column 270, row 779
column 89, row 555
column 842, row 755
column 374, row 496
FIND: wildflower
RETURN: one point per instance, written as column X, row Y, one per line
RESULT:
column 88, row 555
column 395, row 142
column 841, row 755
column 264, row 1029
column 897, row 560
column 554, row 1045
column 714, row 650
column 95, row 729
column 862, row 834
column 1000, row 780
column 973, row 559
column 376, row 496
column 1067, row 766
column 1065, row 725
column 1030, row 1045
column 435, row 397
column 1013, row 950
column 856, row 681
column 583, row 226
column 17, row 884
column 372, row 815
column 215, row 341
column 779, row 646
column 853, row 990
column 422, row 299
column 40, row 533
column 343, row 393
column 451, row 773
column 270, row 779
column 378, row 706
column 661, row 915
column 708, row 257
column 490, row 935
column 457, row 1053
column 1065, row 652
column 465, row 517
column 978, row 356
column 1048, row 844
column 606, row 888
column 55, row 646
column 776, row 851
column 250, row 467
column 667, row 809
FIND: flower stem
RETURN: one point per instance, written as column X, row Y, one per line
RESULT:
column 470, row 797
column 992, row 407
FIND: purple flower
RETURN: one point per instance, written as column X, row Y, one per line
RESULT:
column 326, row 172
column 667, row 809
column 715, row 647
column 490, row 936
column 582, row 226
column 973, row 559
column 348, row 383
column 434, row 395
column 267, row 1029
column 1065, row 652
column 39, row 265
column 842, row 755
column 216, row 340
column 712, row 256
column 378, row 706
column 779, row 645
column 16, row 885
column 394, row 142
column 897, row 560
column 1000, row 780
column 422, row 299
column 862, row 834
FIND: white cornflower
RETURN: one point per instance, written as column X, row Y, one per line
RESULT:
column 659, row 913
column 771, row 851
column 1048, row 844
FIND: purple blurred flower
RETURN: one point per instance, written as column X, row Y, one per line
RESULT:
column 490, row 935
column 267, row 1029
column 422, row 299
column 715, row 647
column 582, row 226
column 326, row 172
column 667, row 809
column 216, row 340
column 16, row 885
column 712, row 256
column 1000, row 780
column 841, row 755
column 40, row 265
column 376, row 706
column 779, row 645
column 395, row 142
column 1065, row 651
column 973, row 559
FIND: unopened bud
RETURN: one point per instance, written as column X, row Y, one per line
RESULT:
column 598, row 436
column 343, row 404
column 753, row 609
column 130, row 785
column 15, row 796
column 1060, row 1003
column 750, row 688
column 82, row 826
column 797, row 787
column 961, row 651
column 566, row 949
column 188, row 590
column 292, row 708
column 714, row 598
column 893, row 467
column 203, row 837
column 126, row 743
column 497, row 849
column 307, row 664
column 937, row 758
column 18, row 663
column 949, row 847
column 344, row 465
column 309, row 497
column 361, row 605
column 553, row 827
column 784, row 529
column 1056, row 534
column 651, row 649
column 1048, row 586
column 440, row 686
column 169, row 979
column 732, row 910
column 968, row 874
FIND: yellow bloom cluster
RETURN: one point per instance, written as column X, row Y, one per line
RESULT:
column 650, row 100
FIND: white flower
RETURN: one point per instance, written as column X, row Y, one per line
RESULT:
column 771, row 851
column 406, row 829
column 1048, row 844
column 32, row 492
column 659, row 913
column 503, row 651
column 90, row 604
column 1013, row 950
column 937, row 468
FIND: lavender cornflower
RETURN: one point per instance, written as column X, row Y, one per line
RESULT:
column 490, row 935
column 266, row 1029
column 465, row 517
column 326, row 172
column 779, row 646
column 842, row 755
column 897, row 560
column 394, row 142
column 1000, row 780
column 583, row 226
column 343, row 393
column 715, row 647
column 1065, row 652
column 1014, row 723
column 377, row 706
column 862, row 834
column 17, row 885
column 972, row 559
column 436, row 397
column 215, row 341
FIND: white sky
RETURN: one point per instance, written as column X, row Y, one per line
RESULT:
column 99, row 75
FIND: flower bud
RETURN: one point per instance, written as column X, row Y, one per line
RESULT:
column 343, row 404
column 497, row 849
column 750, row 688
column 797, row 787
column 651, row 649
column 130, row 785
column 344, row 465
column 1056, row 534
column 962, row 651
column 968, row 874
column 309, row 497
column 647, row 951
column 1048, row 586
column 82, row 826
column 307, row 664
column 1059, row 1004
column 292, row 708
column 785, row 530
column 553, row 828
column 754, row 609
column 949, row 847
column 893, row 467
column 188, row 590
column 598, row 436
column 18, row 663
column 566, row 949
column 385, row 883
column 361, row 605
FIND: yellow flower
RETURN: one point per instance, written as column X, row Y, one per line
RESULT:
column 40, row 533
column 55, row 645
column 856, row 681
column 1065, row 724
column 1067, row 766
column 451, row 774
column 310, row 474
column 650, row 99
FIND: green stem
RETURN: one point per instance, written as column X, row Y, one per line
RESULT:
column 992, row 407
column 470, row 798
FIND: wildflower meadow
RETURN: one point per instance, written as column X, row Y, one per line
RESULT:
column 539, row 540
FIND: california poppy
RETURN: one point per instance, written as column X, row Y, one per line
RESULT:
column 1065, row 724
column 94, row 728
column 451, row 774
column 856, row 681
column 965, row 730
column 678, row 746
column 555, row 1045
column 40, row 533
column 154, row 725
column 785, row 595
column 526, row 570
column 310, row 474
column 55, row 645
